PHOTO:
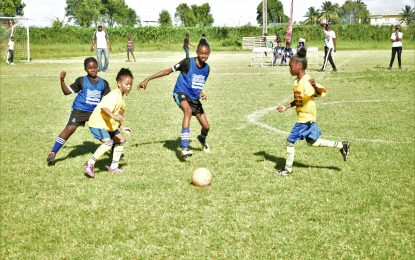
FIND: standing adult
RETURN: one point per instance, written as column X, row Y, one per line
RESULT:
column 396, row 39
column 102, row 41
column 186, row 43
column 329, row 46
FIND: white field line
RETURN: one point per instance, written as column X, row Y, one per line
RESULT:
column 254, row 118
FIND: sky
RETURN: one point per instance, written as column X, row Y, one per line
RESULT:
column 41, row 13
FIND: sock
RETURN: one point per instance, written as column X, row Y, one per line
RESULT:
column 290, row 157
column 116, row 155
column 326, row 143
column 59, row 142
column 103, row 148
column 185, row 138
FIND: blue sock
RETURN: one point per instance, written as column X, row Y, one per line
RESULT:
column 58, row 144
column 202, row 138
column 185, row 138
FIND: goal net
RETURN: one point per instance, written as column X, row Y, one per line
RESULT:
column 18, row 28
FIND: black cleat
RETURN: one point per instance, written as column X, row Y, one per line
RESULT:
column 345, row 150
column 51, row 159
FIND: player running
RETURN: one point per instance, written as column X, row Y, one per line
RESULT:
column 305, row 89
column 187, row 93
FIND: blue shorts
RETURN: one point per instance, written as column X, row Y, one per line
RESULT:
column 307, row 131
column 100, row 133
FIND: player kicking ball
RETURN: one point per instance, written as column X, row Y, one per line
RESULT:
column 305, row 89
column 187, row 93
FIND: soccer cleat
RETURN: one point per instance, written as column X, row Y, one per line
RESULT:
column 345, row 150
column 89, row 170
column 186, row 152
column 389, row 68
column 12, row 63
column 284, row 172
column 115, row 170
column 322, row 70
column 51, row 159
column 335, row 69
column 204, row 144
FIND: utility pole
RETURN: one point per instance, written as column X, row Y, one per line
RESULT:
column 264, row 18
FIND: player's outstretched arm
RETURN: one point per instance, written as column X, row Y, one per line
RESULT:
column 282, row 108
column 64, row 88
column 143, row 84
column 118, row 117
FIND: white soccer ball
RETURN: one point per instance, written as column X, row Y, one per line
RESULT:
column 201, row 177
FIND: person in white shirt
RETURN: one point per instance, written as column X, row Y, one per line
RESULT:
column 101, row 39
column 10, row 60
column 396, row 39
column 329, row 46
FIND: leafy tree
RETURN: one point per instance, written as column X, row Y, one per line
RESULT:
column 407, row 15
column 330, row 11
column 117, row 12
column 165, row 19
column 184, row 15
column 312, row 15
column 275, row 12
column 11, row 8
column 83, row 12
column 354, row 12
column 203, row 15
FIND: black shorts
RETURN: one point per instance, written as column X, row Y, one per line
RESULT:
column 78, row 117
column 195, row 105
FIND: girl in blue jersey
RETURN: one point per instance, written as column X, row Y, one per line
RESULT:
column 90, row 89
column 188, row 92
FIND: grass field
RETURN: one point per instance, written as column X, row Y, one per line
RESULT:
column 328, row 208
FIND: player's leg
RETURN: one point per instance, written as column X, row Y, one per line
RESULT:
column 399, row 52
column 392, row 57
column 128, row 54
column 119, row 141
column 326, row 53
column 132, row 54
column 99, row 58
column 201, row 117
column 106, row 145
column 330, row 58
column 294, row 136
column 312, row 137
column 106, row 57
column 183, row 103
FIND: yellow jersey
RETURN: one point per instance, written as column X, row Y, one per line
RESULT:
column 304, row 95
column 114, row 101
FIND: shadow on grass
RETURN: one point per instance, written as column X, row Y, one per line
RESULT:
column 280, row 162
column 173, row 145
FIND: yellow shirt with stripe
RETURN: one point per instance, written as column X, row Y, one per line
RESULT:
column 304, row 95
column 114, row 101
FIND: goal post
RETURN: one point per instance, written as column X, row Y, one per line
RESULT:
column 18, row 27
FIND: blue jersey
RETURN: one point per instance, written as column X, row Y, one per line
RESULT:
column 191, row 79
column 89, row 95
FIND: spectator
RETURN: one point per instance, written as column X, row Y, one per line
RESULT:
column 101, row 39
column 396, row 39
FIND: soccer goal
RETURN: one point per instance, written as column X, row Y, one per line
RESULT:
column 17, row 27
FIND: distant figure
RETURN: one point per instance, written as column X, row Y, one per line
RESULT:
column 396, row 39
column 186, row 43
column 329, row 46
column 286, row 53
column 101, row 39
column 277, row 53
column 277, row 39
column 130, row 47
column 301, row 45
column 10, row 60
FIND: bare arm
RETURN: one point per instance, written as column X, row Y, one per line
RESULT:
column 108, row 43
column 282, row 108
column 117, row 117
column 334, row 44
column 160, row 74
column 93, row 43
column 64, row 88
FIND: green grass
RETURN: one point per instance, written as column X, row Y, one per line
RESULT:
column 328, row 208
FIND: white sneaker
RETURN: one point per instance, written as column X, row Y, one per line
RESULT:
column 12, row 63
column 186, row 152
column 7, row 62
column 204, row 144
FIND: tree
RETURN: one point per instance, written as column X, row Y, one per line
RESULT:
column 11, row 8
column 312, row 16
column 275, row 12
column 117, row 12
column 84, row 12
column 184, row 15
column 354, row 12
column 330, row 11
column 407, row 15
column 165, row 19
column 203, row 15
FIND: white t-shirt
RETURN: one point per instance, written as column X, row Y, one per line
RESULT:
column 328, row 38
column 393, row 38
column 101, row 38
column 11, row 45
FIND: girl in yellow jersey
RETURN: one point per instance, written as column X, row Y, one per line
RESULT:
column 305, row 90
column 105, row 123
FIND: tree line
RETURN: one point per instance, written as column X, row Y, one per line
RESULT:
column 115, row 13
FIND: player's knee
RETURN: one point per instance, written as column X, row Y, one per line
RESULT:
column 289, row 144
column 121, row 142
column 108, row 142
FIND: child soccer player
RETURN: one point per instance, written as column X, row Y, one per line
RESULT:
column 90, row 89
column 188, row 92
column 305, row 89
column 105, row 122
